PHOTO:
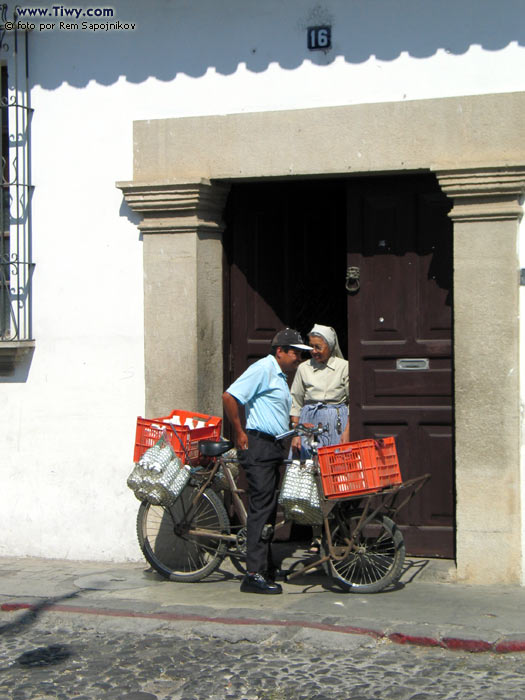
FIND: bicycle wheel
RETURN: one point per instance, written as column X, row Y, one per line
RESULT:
column 167, row 544
column 377, row 558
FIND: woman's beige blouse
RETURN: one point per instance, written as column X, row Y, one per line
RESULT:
column 320, row 382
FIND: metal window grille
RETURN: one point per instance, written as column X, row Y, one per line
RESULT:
column 16, row 265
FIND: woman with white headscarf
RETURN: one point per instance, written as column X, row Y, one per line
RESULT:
column 320, row 394
column 320, row 389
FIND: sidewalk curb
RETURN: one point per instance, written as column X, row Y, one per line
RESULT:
column 503, row 645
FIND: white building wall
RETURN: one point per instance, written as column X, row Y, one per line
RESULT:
column 68, row 426
column 521, row 253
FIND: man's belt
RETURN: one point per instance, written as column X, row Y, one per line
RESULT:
column 263, row 436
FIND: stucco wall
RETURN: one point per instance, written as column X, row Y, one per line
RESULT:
column 521, row 251
column 68, row 416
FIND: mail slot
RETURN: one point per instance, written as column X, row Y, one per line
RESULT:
column 413, row 363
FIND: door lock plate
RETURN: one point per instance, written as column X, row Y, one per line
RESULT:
column 413, row 363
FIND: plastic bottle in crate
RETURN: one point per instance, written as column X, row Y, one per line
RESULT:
column 354, row 479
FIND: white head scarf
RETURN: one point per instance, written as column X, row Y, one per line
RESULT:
column 328, row 334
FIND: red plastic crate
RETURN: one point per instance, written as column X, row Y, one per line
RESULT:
column 183, row 429
column 358, row 467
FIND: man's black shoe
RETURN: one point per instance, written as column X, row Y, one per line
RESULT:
column 257, row 583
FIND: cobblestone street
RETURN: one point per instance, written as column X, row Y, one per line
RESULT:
column 55, row 657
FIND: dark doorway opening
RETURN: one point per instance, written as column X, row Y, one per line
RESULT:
column 285, row 245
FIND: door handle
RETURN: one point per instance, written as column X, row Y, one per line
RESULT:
column 353, row 275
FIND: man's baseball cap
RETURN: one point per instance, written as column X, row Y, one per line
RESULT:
column 291, row 338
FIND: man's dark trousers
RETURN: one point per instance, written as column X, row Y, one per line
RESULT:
column 261, row 463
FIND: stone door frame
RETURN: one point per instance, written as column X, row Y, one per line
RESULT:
column 476, row 148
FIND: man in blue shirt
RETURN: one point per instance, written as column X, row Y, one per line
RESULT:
column 263, row 390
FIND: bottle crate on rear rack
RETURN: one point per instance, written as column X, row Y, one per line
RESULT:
column 352, row 468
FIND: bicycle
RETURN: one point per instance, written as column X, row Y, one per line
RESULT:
column 362, row 549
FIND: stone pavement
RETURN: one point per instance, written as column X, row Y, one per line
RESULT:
column 60, row 656
column 425, row 608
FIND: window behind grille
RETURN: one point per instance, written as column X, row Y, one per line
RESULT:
column 16, row 266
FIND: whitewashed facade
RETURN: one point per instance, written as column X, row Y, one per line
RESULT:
column 68, row 409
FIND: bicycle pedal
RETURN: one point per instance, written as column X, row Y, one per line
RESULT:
column 267, row 533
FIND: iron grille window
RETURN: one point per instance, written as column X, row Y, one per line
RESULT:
column 4, row 212
column 16, row 266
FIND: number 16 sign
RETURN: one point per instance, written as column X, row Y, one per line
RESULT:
column 319, row 37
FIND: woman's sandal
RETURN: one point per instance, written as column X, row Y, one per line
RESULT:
column 315, row 546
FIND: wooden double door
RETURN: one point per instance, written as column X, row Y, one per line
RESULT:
column 289, row 246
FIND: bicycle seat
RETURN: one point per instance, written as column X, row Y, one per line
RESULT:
column 210, row 448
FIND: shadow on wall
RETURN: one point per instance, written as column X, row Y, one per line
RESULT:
column 187, row 38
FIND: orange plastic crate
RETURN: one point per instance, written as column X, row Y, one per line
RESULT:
column 358, row 467
column 183, row 429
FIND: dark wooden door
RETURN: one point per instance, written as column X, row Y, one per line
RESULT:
column 400, row 341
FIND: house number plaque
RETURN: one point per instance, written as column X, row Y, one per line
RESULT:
column 319, row 37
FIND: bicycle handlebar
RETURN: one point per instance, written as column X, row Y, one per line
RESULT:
column 301, row 429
